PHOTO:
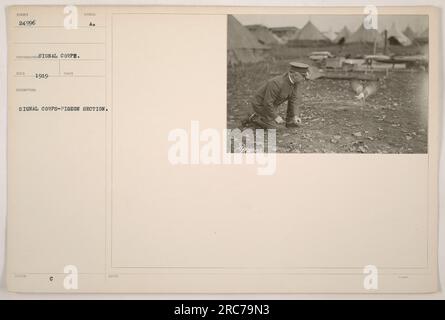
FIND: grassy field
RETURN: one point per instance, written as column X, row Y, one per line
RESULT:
column 393, row 120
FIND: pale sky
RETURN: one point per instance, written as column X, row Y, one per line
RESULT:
column 325, row 22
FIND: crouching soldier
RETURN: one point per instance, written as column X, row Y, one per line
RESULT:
column 285, row 87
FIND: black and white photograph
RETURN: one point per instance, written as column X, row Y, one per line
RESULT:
column 330, row 83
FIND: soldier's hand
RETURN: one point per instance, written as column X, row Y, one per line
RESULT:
column 279, row 120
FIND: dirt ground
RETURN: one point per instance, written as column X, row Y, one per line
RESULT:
column 393, row 120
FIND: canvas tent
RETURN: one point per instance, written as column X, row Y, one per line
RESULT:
column 409, row 33
column 310, row 35
column 278, row 39
column 342, row 35
column 363, row 35
column 331, row 35
column 263, row 35
column 242, row 46
column 396, row 37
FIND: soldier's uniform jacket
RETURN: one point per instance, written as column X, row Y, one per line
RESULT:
column 276, row 91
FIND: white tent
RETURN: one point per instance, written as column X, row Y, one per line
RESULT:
column 423, row 36
column 264, row 35
column 342, row 35
column 395, row 36
column 285, row 33
column 409, row 33
column 331, row 35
